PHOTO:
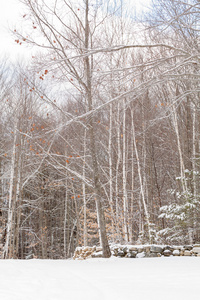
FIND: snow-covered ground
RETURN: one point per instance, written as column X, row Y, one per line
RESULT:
column 97, row 279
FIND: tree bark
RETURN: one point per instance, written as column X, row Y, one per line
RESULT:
column 96, row 177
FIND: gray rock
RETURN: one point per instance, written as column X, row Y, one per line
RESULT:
column 141, row 255
column 167, row 252
column 140, row 249
column 196, row 250
column 131, row 254
column 170, row 248
column 176, row 252
column 147, row 249
column 115, row 251
column 121, row 253
column 187, row 253
column 188, row 247
column 156, row 249
column 125, row 250
column 178, row 248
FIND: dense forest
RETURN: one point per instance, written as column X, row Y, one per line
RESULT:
column 100, row 131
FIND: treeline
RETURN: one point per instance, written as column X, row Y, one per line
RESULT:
column 100, row 134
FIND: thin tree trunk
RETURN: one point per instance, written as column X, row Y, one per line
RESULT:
column 66, row 241
column 132, row 192
column 140, row 180
column 111, row 172
column 182, row 166
column 194, row 173
column 125, row 198
column 85, row 238
column 18, row 204
column 117, row 172
column 194, row 150
column 6, row 249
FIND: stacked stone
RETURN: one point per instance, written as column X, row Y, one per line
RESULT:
column 155, row 251
column 136, row 251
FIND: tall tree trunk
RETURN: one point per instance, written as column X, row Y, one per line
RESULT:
column 6, row 250
column 182, row 166
column 111, row 172
column 85, row 235
column 117, row 172
column 97, row 187
column 18, row 201
column 194, row 150
column 140, row 180
column 125, row 197
column 132, row 192
column 66, row 222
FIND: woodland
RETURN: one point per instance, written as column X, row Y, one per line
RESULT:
column 100, row 130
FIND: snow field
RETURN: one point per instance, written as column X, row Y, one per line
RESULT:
column 101, row 279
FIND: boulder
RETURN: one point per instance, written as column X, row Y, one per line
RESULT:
column 125, row 250
column 121, row 253
column 147, row 249
column 131, row 254
column 176, row 252
column 115, row 250
column 167, row 252
column 188, row 247
column 196, row 250
column 140, row 249
column 170, row 248
column 156, row 249
column 187, row 253
column 141, row 255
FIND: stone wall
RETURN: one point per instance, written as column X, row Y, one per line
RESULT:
column 138, row 251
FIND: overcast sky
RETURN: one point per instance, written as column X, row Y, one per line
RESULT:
column 11, row 13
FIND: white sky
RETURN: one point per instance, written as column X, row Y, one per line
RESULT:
column 9, row 16
column 11, row 13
